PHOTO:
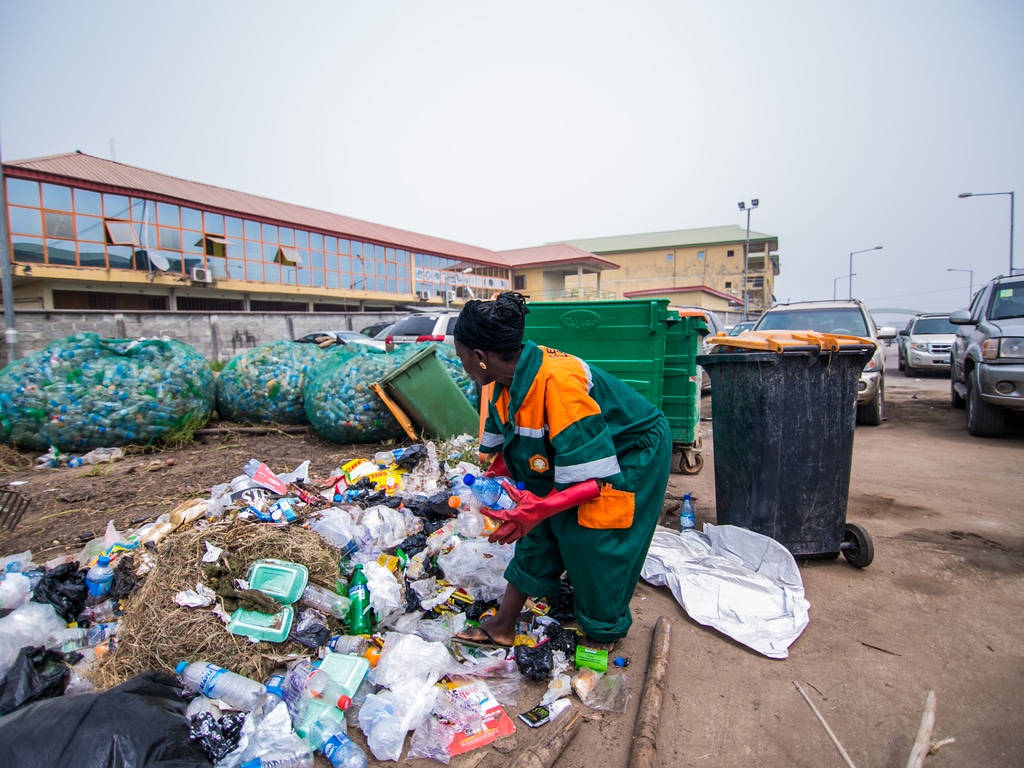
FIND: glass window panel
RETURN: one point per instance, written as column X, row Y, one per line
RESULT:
column 381, row 268
column 192, row 262
column 316, row 241
column 87, row 201
column 140, row 209
column 287, row 236
column 23, row 192
column 346, row 280
column 253, row 271
column 316, row 259
column 270, row 233
column 89, row 228
column 59, row 225
column 61, row 252
column 27, row 221
column 332, row 280
column 357, row 248
column 403, row 286
column 168, row 215
column 148, row 235
column 235, row 249
column 120, row 256
column 192, row 242
column 403, row 271
column 218, row 267
column 191, row 219
column 56, row 197
column 378, row 252
column 233, row 226
column 272, row 273
column 115, row 206
column 236, row 269
column 301, row 239
column 170, row 239
column 392, row 286
column 121, row 232
column 304, row 277
column 331, row 262
column 331, row 244
column 28, row 249
column 392, row 270
column 269, row 252
column 213, row 223
column 252, row 230
column 91, row 254
column 253, row 251
column 175, row 261
column 390, row 254
column 318, row 277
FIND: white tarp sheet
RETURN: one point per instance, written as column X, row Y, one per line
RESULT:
column 743, row 584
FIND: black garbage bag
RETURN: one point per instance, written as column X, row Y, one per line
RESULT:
column 311, row 630
column 36, row 674
column 217, row 738
column 125, row 580
column 562, row 639
column 535, row 663
column 562, row 607
column 64, row 588
column 138, row 724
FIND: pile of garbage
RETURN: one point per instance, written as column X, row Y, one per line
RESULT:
column 300, row 614
column 87, row 392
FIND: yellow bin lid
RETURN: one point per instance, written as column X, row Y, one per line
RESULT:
column 781, row 341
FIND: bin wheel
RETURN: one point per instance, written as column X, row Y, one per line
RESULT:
column 857, row 547
column 687, row 468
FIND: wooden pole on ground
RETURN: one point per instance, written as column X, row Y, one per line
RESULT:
column 645, row 734
column 545, row 754
column 923, row 742
column 828, row 730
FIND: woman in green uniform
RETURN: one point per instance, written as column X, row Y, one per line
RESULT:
column 594, row 457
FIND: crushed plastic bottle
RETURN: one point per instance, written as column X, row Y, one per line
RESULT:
column 215, row 682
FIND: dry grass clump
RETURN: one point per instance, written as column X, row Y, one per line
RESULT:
column 156, row 633
column 12, row 460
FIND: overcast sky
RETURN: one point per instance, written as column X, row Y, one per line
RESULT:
column 507, row 125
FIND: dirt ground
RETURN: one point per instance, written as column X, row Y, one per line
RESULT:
column 939, row 609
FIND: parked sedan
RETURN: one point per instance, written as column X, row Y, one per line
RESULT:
column 740, row 327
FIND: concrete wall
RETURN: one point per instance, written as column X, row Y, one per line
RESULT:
column 215, row 335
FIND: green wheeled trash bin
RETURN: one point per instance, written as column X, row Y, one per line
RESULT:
column 783, row 412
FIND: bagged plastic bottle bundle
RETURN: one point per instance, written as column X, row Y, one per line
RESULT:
column 98, row 580
column 686, row 516
column 265, row 383
column 215, row 682
column 339, row 402
column 86, row 392
column 325, row 601
column 330, row 739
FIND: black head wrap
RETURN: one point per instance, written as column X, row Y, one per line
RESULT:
column 493, row 326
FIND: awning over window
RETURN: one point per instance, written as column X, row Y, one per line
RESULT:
column 289, row 257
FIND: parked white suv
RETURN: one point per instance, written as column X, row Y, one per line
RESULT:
column 843, row 318
column 925, row 343
column 423, row 326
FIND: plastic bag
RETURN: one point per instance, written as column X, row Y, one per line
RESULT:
column 431, row 741
column 37, row 673
column 535, row 663
column 478, row 567
column 410, row 658
column 30, row 624
column 600, row 691
column 311, row 629
column 87, row 392
column 64, row 588
column 138, row 724
column 15, row 590
column 385, row 525
column 216, row 737
column 267, row 737
column 265, row 383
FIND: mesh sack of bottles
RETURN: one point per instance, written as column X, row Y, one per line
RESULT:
column 265, row 383
column 86, row 392
column 339, row 402
column 446, row 355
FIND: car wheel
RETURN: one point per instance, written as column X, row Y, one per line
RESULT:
column 858, row 548
column 954, row 397
column 908, row 370
column 900, row 365
column 983, row 419
column 870, row 414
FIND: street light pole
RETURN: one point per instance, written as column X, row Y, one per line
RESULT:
column 835, row 281
column 989, row 194
column 746, row 253
column 865, row 250
column 970, row 290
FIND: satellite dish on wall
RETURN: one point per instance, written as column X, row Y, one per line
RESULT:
column 159, row 261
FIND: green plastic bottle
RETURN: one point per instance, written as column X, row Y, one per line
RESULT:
column 359, row 613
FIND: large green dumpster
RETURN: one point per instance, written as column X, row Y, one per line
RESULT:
column 641, row 343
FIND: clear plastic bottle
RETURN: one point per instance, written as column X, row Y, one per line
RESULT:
column 490, row 491
column 325, row 601
column 98, row 580
column 97, row 633
column 326, row 691
column 292, row 758
column 387, row 458
column 351, row 644
column 237, row 691
column 100, row 612
column 330, row 739
column 68, row 640
column 294, row 685
column 686, row 518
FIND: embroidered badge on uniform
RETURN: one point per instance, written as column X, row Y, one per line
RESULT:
column 538, row 463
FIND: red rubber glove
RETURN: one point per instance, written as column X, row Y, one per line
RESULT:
column 498, row 467
column 530, row 509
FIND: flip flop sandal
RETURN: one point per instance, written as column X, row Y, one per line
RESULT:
column 490, row 642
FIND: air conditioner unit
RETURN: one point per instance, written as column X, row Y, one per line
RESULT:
column 450, row 294
column 424, row 295
column 200, row 275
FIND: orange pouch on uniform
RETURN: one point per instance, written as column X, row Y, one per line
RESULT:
column 612, row 509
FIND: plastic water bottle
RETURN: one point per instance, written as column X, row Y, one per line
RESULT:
column 68, row 640
column 97, row 633
column 325, row 601
column 291, row 758
column 355, row 645
column 387, row 458
column 294, row 685
column 359, row 619
column 98, row 580
column 686, row 519
column 489, row 491
column 330, row 738
column 236, row 691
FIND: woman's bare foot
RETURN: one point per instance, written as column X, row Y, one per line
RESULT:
column 486, row 634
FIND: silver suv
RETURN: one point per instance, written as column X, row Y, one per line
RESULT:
column 925, row 343
column 843, row 318
column 987, row 374
column 423, row 326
